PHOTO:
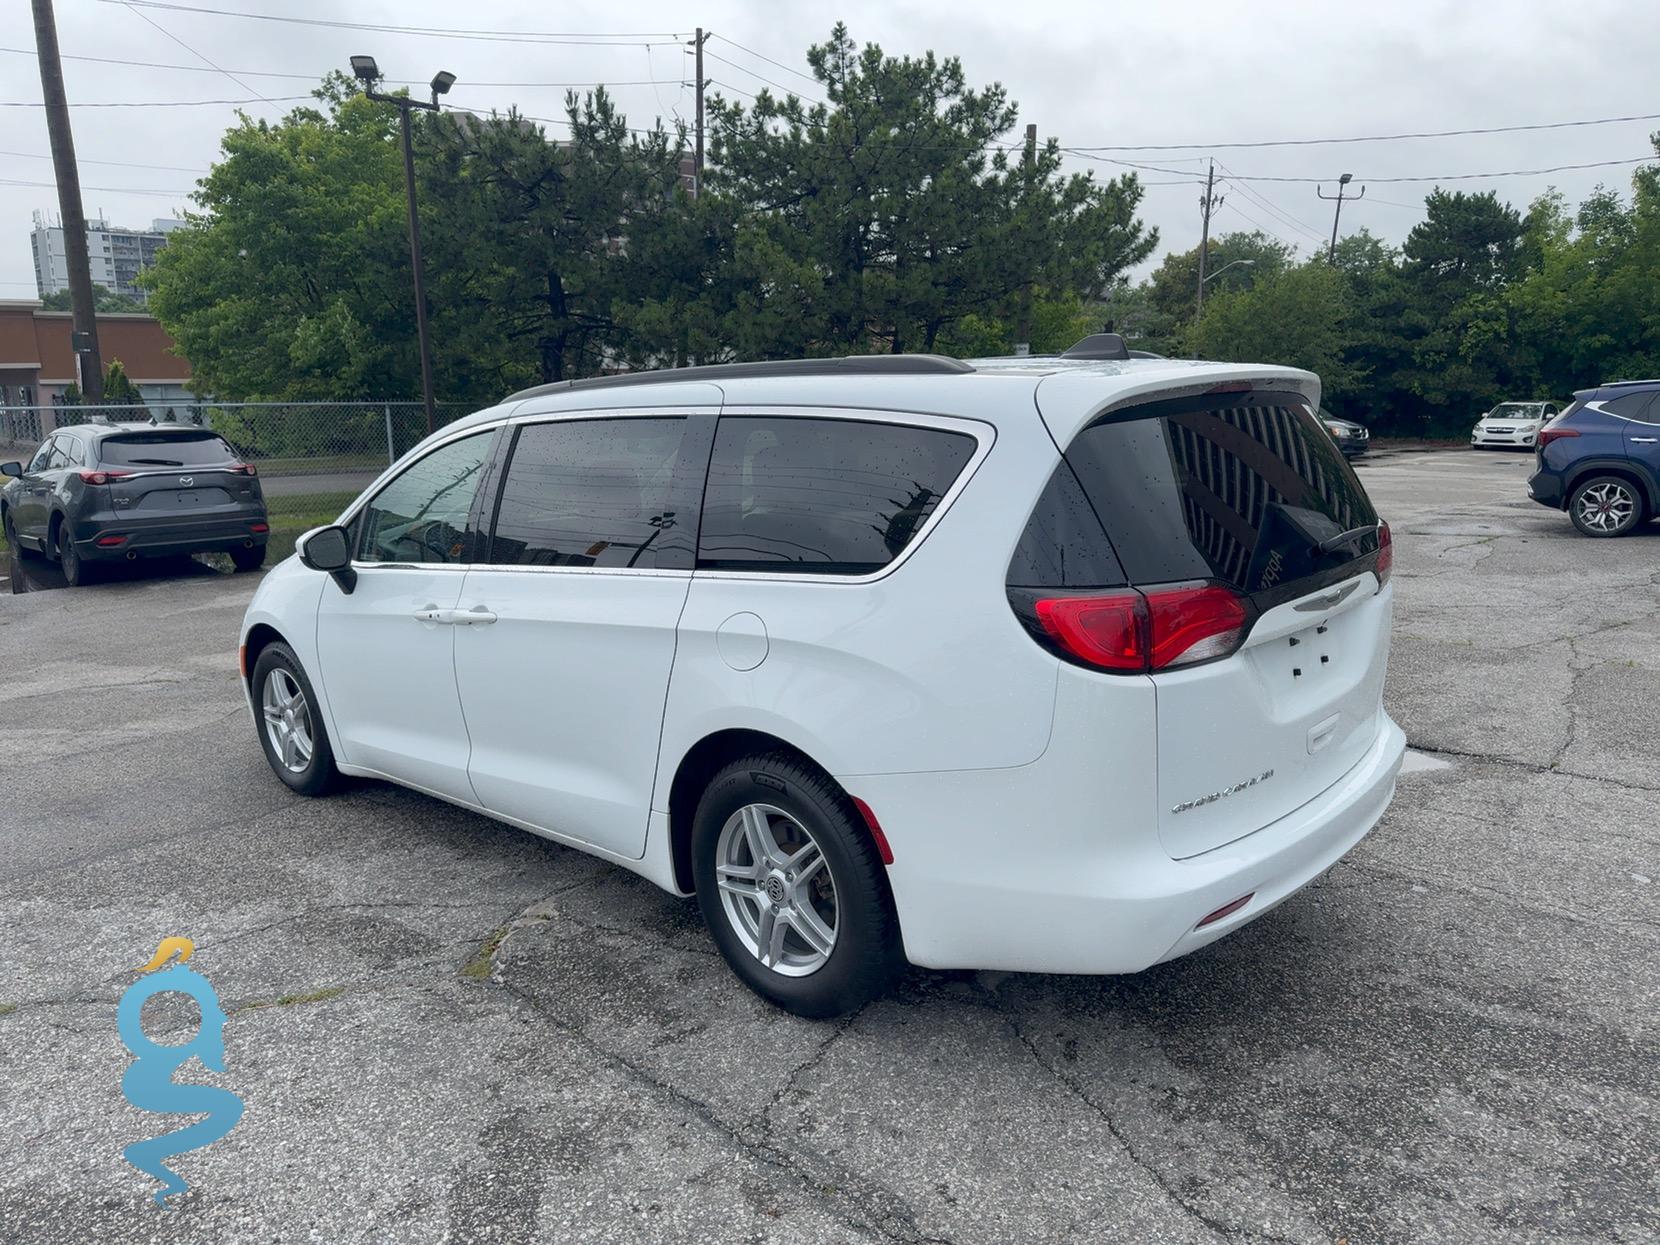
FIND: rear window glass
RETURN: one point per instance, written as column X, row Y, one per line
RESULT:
column 1244, row 495
column 830, row 496
column 165, row 449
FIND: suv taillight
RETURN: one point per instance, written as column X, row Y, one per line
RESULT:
column 1386, row 554
column 1549, row 434
column 1131, row 631
column 102, row 477
column 244, row 469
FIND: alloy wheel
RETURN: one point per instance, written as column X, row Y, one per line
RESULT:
column 1608, row 506
column 287, row 720
column 776, row 890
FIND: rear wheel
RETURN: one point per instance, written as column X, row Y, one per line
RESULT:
column 1606, row 506
column 248, row 559
column 290, row 724
column 75, row 571
column 792, row 889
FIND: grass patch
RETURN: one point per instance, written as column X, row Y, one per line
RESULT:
column 478, row 968
column 292, row 1000
column 6, row 1009
column 291, row 517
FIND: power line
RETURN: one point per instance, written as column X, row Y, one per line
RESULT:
column 112, row 190
column 1438, row 177
column 769, row 60
column 1293, row 222
column 715, row 56
column 118, row 164
column 1376, row 138
column 152, row 22
column 576, row 38
column 317, row 77
column 155, row 103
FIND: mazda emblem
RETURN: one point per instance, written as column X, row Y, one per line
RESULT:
column 186, row 481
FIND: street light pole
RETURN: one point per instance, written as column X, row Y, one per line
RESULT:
column 366, row 70
column 1337, row 214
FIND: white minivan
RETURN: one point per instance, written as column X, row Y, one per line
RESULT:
column 1066, row 664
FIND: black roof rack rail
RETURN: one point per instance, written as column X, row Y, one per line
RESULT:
column 1609, row 384
column 856, row 365
column 1099, row 346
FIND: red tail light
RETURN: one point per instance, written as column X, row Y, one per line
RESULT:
column 1547, row 435
column 1227, row 909
column 1386, row 554
column 102, row 477
column 244, row 469
column 880, row 839
column 259, row 527
column 1139, row 631
column 110, row 542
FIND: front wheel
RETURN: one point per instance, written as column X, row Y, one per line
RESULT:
column 792, row 889
column 9, row 526
column 1606, row 506
column 290, row 723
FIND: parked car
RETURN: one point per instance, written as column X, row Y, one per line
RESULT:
column 102, row 491
column 1600, row 459
column 1510, row 425
column 1352, row 438
column 849, row 650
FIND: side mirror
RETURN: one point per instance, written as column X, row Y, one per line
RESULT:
column 11, row 469
column 329, row 549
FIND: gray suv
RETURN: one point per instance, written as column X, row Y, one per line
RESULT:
column 98, row 492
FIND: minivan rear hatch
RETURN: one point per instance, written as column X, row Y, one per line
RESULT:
column 1243, row 490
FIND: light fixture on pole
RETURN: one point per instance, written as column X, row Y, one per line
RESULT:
column 1337, row 214
column 368, row 72
column 1249, row 263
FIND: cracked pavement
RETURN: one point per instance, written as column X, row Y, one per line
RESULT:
column 447, row 1030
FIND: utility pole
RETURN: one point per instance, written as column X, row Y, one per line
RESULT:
column 368, row 73
column 697, row 163
column 85, row 324
column 1023, row 329
column 1337, row 213
column 1207, row 205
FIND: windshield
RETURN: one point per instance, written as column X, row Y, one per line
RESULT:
column 1517, row 410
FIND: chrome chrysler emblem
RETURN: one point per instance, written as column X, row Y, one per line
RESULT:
column 186, row 481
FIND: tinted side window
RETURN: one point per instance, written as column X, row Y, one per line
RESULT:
column 421, row 516
column 1630, row 406
column 832, row 496
column 1064, row 545
column 42, row 456
column 591, row 492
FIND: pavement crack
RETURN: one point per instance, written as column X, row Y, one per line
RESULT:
column 1531, row 767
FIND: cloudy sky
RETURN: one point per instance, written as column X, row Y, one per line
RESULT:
column 1192, row 75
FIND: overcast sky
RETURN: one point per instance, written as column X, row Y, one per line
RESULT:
column 1091, row 74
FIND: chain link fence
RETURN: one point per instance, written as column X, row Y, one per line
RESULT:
column 313, row 457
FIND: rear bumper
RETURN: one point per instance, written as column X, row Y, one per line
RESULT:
column 981, row 883
column 155, row 538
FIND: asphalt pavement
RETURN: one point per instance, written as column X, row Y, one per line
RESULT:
column 446, row 1030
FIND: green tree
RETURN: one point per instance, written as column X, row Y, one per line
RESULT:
column 102, row 300
column 1302, row 316
column 1236, row 262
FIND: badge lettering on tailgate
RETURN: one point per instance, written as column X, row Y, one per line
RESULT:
column 1224, row 793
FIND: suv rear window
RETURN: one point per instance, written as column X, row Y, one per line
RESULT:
column 1242, row 495
column 828, row 496
column 164, row 449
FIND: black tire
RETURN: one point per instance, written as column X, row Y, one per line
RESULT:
column 248, row 559
column 1607, row 505
column 867, row 953
column 18, row 547
column 318, row 776
column 75, row 571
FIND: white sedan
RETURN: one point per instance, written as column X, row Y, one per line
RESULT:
column 1512, row 424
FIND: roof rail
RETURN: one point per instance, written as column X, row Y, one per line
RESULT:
column 848, row 365
column 1609, row 384
column 1099, row 346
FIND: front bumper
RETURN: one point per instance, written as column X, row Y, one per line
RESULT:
column 171, row 536
column 1504, row 440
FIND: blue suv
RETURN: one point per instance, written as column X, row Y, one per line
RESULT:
column 1600, row 459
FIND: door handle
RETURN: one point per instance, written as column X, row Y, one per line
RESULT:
column 1646, row 440
column 456, row 618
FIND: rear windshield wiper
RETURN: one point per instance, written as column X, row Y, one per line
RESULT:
column 1333, row 543
column 158, row 462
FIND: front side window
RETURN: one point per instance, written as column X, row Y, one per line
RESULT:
column 421, row 516
column 592, row 492
column 42, row 456
column 826, row 496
